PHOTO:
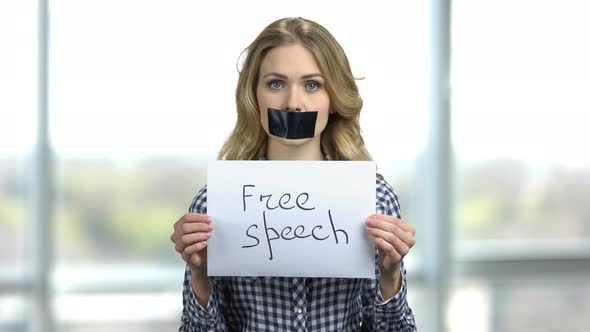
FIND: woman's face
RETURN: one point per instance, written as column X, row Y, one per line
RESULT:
column 290, row 79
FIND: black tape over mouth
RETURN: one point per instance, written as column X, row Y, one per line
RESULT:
column 291, row 125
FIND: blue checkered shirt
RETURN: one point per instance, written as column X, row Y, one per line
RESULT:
column 299, row 304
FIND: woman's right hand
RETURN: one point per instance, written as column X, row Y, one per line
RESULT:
column 190, row 236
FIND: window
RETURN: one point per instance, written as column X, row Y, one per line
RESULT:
column 519, row 80
column 519, row 110
column 18, row 105
column 141, row 95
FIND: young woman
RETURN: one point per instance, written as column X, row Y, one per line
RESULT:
column 293, row 69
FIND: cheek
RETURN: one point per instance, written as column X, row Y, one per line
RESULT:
column 263, row 117
column 322, row 103
column 264, row 101
column 262, row 106
column 322, row 120
column 323, row 108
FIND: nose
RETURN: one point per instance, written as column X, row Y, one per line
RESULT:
column 294, row 101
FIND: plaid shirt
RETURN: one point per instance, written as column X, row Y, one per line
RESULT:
column 299, row 304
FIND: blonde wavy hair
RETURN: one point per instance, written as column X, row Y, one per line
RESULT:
column 342, row 139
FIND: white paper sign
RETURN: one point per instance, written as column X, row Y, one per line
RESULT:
column 291, row 218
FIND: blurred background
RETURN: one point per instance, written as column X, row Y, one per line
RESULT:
column 475, row 110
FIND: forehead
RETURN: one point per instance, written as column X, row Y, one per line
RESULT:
column 293, row 58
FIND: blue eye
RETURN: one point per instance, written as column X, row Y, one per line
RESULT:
column 275, row 84
column 312, row 86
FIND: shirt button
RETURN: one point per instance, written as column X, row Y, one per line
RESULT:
column 299, row 311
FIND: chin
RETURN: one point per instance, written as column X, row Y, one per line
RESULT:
column 292, row 142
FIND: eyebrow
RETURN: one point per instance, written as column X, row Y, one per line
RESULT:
column 283, row 76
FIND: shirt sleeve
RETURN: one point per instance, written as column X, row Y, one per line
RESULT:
column 393, row 314
column 195, row 318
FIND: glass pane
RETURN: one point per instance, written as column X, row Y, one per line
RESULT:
column 118, row 312
column 12, row 313
column 541, row 305
column 418, row 297
column 534, row 306
column 118, row 327
column 113, row 213
column 18, row 106
column 127, row 123
column 394, row 119
column 520, row 118
column 12, row 213
column 137, row 108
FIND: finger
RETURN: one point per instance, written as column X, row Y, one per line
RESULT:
column 188, row 228
column 391, row 225
column 176, row 232
column 196, row 217
column 380, row 223
column 179, row 246
column 402, row 224
column 184, row 225
column 391, row 219
column 182, row 242
column 190, row 239
column 195, row 248
column 406, row 237
column 386, row 248
column 405, row 226
column 400, row 246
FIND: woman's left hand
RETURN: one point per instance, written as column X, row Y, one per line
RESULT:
column 393, row 237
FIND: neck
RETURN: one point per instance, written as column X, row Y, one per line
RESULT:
column 278, row 149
